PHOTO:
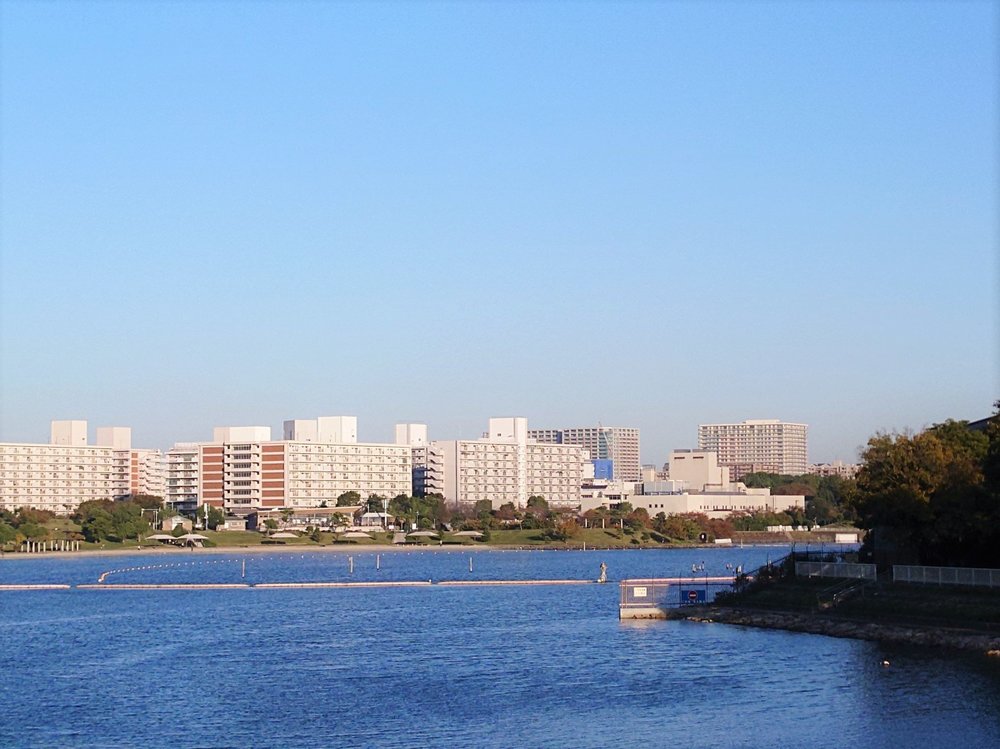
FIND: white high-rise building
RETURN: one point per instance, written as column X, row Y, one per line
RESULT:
column 767, row 445
column 505, row 466
column 620, row 445
column 136, row 470
column 183, row 485
column 426, row 459
column 58, row 476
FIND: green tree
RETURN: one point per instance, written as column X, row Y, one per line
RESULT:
column 97, row 525
column 7, row 533
column 375, row 503
column 147, row 501
column 538, row 503
column 127, row 520
column 216, row 517
column 923, row 497
column 349, row 499
column 33, row 531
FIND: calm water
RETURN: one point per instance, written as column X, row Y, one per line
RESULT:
column 446, row 667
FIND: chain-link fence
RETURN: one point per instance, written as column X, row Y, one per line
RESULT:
column 845, row 570
column 641, row 599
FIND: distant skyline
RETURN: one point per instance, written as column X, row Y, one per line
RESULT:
column 651, row 214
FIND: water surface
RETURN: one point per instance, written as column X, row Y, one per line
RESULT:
column 447, row 667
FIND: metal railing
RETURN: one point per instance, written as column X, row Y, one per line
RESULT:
column 643, row 594
column 836, row 569
column 973, row 576
column 846, row 588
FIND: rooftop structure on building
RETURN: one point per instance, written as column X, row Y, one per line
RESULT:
column 765, row 445
column 617, row 444
column 699, row 470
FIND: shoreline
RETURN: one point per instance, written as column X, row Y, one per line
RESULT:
column 816, row 624
column 256, row 549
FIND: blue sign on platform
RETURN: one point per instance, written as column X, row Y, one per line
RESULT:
column 691, row 596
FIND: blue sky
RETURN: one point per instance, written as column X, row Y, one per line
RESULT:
column 646, row 214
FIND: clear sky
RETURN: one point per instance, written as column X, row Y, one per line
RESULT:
column 638, row 214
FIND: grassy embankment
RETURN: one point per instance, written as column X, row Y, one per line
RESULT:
column 590, row 538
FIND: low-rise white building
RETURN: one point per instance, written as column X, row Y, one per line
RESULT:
column 715, row 504
column 836, row 468
column 718, row 504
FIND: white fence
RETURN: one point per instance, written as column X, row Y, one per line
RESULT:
column 946, row 575
column 835, row 569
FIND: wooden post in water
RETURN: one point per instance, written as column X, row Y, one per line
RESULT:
column 378, row 561
column 350, row 561
column 470, row 564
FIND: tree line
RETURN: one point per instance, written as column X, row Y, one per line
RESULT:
column 932, row 497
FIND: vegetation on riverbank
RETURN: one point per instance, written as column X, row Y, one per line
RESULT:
column 774, row 597
column 933, row 497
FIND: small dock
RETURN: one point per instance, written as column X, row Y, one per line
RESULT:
column 648, row 598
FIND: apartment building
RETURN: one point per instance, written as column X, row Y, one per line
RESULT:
column 617, row 444
column 136, row 470
column 57, row 476
column 755, row 445
column 183, row 471
column 505, row 466
column 426, row 459
column 243, row 469
column 836, row 468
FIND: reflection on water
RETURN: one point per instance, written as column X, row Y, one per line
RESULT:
column 438, row 666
